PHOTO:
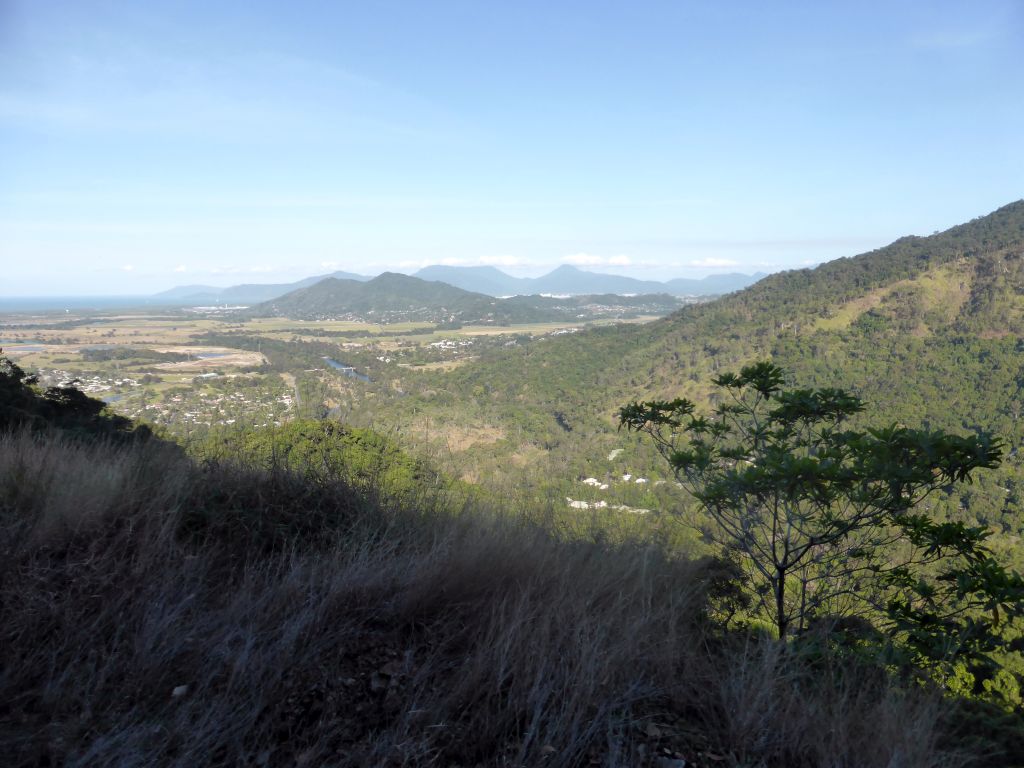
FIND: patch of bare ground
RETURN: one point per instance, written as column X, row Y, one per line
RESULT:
column 527, row 454
column 205, row 358
column 440, row 365
column 943, row 291
column 456, row 437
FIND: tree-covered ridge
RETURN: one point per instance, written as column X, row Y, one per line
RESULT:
column 847, row 278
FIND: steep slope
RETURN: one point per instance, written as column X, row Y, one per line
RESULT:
column 160, row 611
column 927, row 330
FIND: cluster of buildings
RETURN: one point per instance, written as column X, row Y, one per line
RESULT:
column 202, row 409
column 91, row 385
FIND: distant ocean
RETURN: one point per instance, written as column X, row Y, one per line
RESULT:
column 51, row 303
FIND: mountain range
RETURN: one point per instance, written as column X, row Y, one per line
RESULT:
column 393, row 297
column 571, row 280
column 490, row 281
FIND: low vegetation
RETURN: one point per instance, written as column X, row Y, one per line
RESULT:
column 155, row 611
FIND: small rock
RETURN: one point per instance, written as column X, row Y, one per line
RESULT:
column 179, row 691
column 653, row 731
column 547, row 749
column 670, row 762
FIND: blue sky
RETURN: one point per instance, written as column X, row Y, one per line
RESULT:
column 144, row 145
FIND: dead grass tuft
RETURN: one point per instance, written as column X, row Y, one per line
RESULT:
column 156, row 612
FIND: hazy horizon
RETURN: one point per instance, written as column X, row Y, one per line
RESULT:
column 148, row 146
column 226, row 283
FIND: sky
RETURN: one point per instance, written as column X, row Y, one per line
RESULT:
column 146, row 145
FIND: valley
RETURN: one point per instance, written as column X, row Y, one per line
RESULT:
column 512, row 385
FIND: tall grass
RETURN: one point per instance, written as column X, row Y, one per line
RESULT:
column 158, row 612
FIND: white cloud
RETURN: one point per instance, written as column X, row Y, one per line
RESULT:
column 128, row 268
column 506, row 261
column 242, row 270
column 713, row 263
column 407, row 264
column 180, row 268
column 475, row 261
column 593, row 260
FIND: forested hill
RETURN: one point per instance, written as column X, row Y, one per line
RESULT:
column 976, row 246
column 927, row 330
column 389, row 292
column 966, row 281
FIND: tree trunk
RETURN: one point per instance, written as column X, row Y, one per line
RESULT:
column 781, row 620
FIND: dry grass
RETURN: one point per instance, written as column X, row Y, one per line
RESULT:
column 313, row 626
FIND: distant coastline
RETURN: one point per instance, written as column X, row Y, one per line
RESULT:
column 51, row 303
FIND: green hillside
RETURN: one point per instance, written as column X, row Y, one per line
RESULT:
column 387, row 293
column 926, row 330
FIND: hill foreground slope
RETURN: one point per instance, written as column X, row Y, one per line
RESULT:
column 160, row 612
